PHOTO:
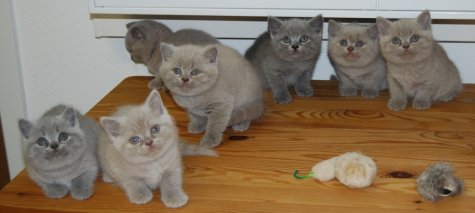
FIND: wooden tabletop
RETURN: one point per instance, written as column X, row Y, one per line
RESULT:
column 254, row 170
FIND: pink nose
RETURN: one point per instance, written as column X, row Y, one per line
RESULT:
column 148, row 141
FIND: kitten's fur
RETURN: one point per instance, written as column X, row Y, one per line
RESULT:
column 216, row 85
column 286, row 56
column 60, row 152
column 152, row 161
column 353, row 50
column 423, row 71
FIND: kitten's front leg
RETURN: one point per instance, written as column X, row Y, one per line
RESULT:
column 82, row 186
column 303, row 84
column 370, row 88
column 197, row 123
column 54, row 190
column 137, row 191
column 278, row 86
column 398, row 99
column 347, row 86
column 218, row 120
column 171, row 189
column 422, row 99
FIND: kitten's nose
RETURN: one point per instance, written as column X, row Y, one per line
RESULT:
column 295, row 46
column 54, row 145
column 185, row 79
column 350, row 49
column 406, row 46
column 148, row 141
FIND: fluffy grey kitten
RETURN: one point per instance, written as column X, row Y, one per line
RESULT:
column 216, row 86
column 418, row 67
column 286, row 56
column 60, row 152
column 354, row 52
column 141, row 152
column 438, row 181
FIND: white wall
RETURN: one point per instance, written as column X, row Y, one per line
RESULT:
column 62, row 62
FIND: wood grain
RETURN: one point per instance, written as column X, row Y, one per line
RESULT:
column 254, row 170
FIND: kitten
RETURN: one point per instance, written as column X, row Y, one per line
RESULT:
column 353, row 50
column 60, row 152
column 418, row 67
column 286, row 55
column 215, row 84
column 141, row 152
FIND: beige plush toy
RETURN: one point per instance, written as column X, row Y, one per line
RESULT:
column 352, row 169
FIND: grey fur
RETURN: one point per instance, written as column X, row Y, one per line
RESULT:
column 423, row 72
column 438, row 181
column 225, row 92
column 67, row 161
column 353, row 50
column 278, row 64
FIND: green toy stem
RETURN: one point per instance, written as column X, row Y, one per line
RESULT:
column 309, row 175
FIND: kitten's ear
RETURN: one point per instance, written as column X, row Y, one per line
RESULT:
column 25, row 127
column 373, row 32
column 211, row 54
column 333, row 28
column 129, row 25
column 316, row 23
column 166, row 50
column 69, row 115
column 138, row 33
column 383, row 25
column 111, row 126
column 424, row 20
column 154, row 102
column 274, row 24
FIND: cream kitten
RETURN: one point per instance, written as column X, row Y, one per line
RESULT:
column 215, row 84
column 418, row 67
column 354, row 52
column 141, row 152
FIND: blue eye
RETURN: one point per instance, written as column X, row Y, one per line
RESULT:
column 42, row 142
column 359, row 43
column 155, row 129
column 177, row 71
column 286, row 40
column 396, row 41
column 195, row 72
column 414, row 38
column 303, row 38
column 63, row 136
column 343, row 42
column 135, row 140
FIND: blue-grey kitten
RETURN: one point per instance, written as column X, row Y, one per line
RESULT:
column 438, row 181
column 60, row 152
column 286, row 55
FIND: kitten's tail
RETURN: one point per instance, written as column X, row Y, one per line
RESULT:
column 188, row 149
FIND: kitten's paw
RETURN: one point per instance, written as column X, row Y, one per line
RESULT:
column 56, row 190
column 397, row 104
column 304, row 92
column 369, row 93
column 241, row 126
column 175, row 201
column 348, row 91
column 421, row 104
column 449, row 96
column 140, row 196
column 106, row 178
column 82, row 193
column 211, row 141
column 196, row 128
column 283, row 98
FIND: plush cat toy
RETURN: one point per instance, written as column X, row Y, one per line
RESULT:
column 352, row 169
column 438, row 181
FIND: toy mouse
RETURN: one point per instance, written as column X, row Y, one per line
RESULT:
column 438, row 181
column 352, row 169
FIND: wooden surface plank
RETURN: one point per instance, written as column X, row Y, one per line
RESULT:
column 254, row 170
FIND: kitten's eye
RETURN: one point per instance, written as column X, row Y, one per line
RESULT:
column 195, row 72
column 414, row 38
column 42, row 142
column 63, row 136
column 396, row 41
column 343, row 42
column 359, row 43
column 286, row 40
column 155, row 129
column 177, row 71
column 303, row 39
column 135, row 140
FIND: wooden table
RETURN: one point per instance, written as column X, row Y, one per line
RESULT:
column 254, row 170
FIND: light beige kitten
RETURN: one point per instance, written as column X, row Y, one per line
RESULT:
column 216, row 86
column 141, row 152
column 418, row 67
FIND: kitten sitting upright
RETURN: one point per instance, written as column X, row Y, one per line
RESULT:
column 354, row 52
column 286, row 56
column 60, row 152
column 216, row 86
column 418, row 67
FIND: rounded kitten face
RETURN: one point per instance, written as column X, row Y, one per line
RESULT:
column 54, row 144
column 353, row 46
column 296, row 41
column 406, row 42
column 187, row 72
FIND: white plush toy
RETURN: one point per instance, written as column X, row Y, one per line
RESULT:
column 352, row 169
